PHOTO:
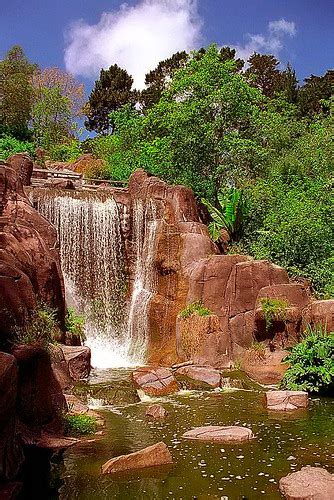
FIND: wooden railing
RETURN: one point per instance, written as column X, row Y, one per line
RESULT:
column 41, row 175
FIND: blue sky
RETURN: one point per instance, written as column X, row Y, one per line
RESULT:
column 52, row 34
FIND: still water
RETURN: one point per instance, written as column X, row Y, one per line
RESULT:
column 284, row 443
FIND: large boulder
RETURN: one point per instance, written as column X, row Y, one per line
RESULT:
column 310, row 483
column 11, row 455
column 219, row 434
column 23, row 166
column 155, row 381
column 320, row 312
column 78, row 361
column 286, row 400
column 266, row 369
column 157, row 454
column 200, row 376
column 29, row 258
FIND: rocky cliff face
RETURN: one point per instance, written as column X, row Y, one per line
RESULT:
column 29, row 260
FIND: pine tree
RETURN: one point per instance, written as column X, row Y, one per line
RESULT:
column 263, row 74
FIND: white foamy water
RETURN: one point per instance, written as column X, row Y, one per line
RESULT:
column 93, row 263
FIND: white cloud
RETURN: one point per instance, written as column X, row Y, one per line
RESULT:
column 269, row 43
column 134, row 37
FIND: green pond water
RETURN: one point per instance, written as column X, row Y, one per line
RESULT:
column 284, row 443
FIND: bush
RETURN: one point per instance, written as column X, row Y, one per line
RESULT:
column 76, row 425
column 66, row 152
column 195, row 308
column 9, row 146
column 273, row 309
column 311, row 363
column 40, row 328
column 75, row 324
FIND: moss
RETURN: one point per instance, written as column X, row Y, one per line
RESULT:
column 273, row 309
column 195, row 308
column 76, row 425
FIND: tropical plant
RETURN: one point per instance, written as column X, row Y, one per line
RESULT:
column 41, row 327
column 228, row 216
column 311, row 363
column 195, row 308
column 10, row 145
column 75, row 324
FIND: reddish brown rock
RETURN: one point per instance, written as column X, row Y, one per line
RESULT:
column 156, row 411
column 23, row 165
column 268, row 369
column 78, row 361
column 206, row 375
column 286, row 400
column 284, row 331
column 157, row 454
column 55, row 443
column 219, row 434
column 60, row 184
column 310, row 483
column 320, row 312
column 155, row 381
column 11, row 455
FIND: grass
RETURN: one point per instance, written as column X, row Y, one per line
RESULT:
column 40, row 328
column 75, row 324
column 195, row 308
column 78, row 425
column 273, row 309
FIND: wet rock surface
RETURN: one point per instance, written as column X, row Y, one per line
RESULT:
column 286, row 400
column 310, row 483
column 220, row 434
column 157, row 454
column 204, row 376
column 156, row 411
column 78, row 361
column 155, row 381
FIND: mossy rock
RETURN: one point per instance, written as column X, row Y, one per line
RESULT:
column 120, row 393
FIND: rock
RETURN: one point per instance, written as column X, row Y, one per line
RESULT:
column 310, row 483
column 286, row 400
column 266, row 370
column 10, row 491
column 60, row 184
column 285, row 331
column 320, row 312
column 29, row 258
column 11, row 454
column 157, row 454
column 78, row 361
column 23, row 165
column 218, row 434
column 155, row 381
column 55, row 443
column 208, row 376
column 156, row 411
column 60, row 367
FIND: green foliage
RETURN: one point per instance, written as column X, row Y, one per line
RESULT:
column 77, row 425
column 75, row 324
column 40, row 328
column 195, row 308
column 273, row 309
column 228, row 216
column 311, row 363
column 66, row 151
column 9, row 146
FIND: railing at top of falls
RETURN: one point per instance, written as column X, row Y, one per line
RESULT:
column 40, row 175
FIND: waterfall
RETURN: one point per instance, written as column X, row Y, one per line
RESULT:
column 93, row 263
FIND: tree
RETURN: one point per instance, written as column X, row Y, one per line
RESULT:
column 110, row 93
column 16, row 93
column 314, row 94
column 156, row 79
column 263, row 74
column 288, row 84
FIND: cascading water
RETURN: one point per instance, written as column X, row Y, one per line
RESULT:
column 93, row 263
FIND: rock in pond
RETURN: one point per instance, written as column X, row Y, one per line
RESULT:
column 286, row 400
column 206, row 375
column 156, row 411
column 155, row 381
column 157, row 454
column 219, row 434
column 310, row 483
column 78, row 361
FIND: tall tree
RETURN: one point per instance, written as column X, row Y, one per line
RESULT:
column 156, row 79
column 315, row 92
column 110, row 92
column 263, row 74
column 15, row 92
column 288, row 84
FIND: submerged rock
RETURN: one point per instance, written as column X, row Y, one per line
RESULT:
column 157, row 454
column 286, row 400
column 219, row 434
column 204, row 376
column 310, row 483
column 156, row 411
column 155, row 381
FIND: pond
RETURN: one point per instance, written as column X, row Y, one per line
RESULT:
column 284, row 443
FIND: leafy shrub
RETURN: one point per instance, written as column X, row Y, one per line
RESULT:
column 75, row 324
column 40, row 328
column 273, row 309
column 76, row 425
column 9, row 146
column 311, row 363
column 195, row 308
column 66, row 152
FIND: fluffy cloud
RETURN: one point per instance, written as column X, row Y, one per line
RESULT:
column 134, row 37
column 269, row 43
